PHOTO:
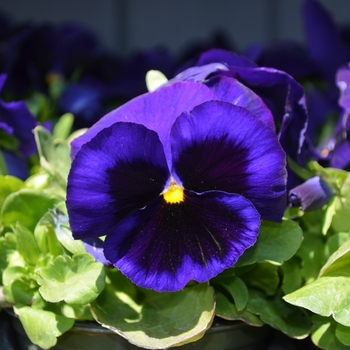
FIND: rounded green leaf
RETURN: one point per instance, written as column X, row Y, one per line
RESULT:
column 43, row 327
column 76, row 280
column 227, row 310
column 26, row 207
column 325, row 296
column 341, row 217
column 343, row 334
column 8, row 185
column 277, row 242
column 155, row 320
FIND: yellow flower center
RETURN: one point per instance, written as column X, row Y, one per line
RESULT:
column 174, row 194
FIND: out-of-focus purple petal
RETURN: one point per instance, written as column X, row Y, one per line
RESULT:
column 231, row 90
column 288, row 56
column 157, row 111
column 311, row 195
column 164, row 246
column 225, row 57
column 121, row 169
column 223, row 147
column 341, row 155
column 15, row 166
column 323, row 38
column 84, row 102
column 343, row 83
column 17, row 121
column 94, row 246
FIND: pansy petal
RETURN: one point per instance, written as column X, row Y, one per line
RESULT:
column 157, row 111
column 121, row 169
column 231, row 90
column 239, row 154
column 164, row 246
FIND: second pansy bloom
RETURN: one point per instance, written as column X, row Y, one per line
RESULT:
column 179, row 182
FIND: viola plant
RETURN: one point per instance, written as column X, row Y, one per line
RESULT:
column 204, row 198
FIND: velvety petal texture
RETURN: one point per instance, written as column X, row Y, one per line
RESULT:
column 180, row 197
column 239, row 154
column 164, row 246
column 157, row 111
column 118, row 171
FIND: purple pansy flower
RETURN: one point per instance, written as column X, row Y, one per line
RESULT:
column 277, row 90
column 178, row 181
column 16, row 124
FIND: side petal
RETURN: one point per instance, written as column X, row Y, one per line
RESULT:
column 157, row 111
column 231, row 90
column 218, row 146
column 121, row 169
column 164, row 246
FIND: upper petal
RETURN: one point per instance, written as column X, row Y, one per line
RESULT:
column 121, row 169
column 164, row 246
column 157, row 111
column 231, row 90
column 218, row 146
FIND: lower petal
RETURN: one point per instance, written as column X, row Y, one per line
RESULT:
column 164, row 246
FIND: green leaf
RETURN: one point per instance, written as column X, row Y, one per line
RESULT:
column 291, row 271
column 76, row 280
column 43, row 327
column 26, row 244
column 236, row 288
column 8, row 185
column 341, row 217
column 63, row 127
column 343, row 334
column 334, row 242
column 8, row 248
column 324, row 335
column 279, row 315
column 228, row 311
column 26, row 207
column 54, row 155
column 311, row 253
column 325, row 296
column 277, row 242
column 155, row 320
column 155, row 79
column 263, row 277
column 19, row 292
column 338, row 263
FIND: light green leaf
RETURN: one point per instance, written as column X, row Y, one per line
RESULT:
column 338, row 263
column 155, row 79
column 26, row 244
column 279, row 315
column 76, row 280
column 343, row 334
column 325, row 296
column 43, row 327
column 276, row 243
column 54, row 155
column 8, row 185
column 324, row 335
column 26, row 207
column 341, row 217
column 63, row 127
column 228, row 311
column 19, row 292
column 8, row 248
column 157, row 320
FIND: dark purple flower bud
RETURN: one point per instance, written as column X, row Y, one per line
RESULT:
column 311, row 195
